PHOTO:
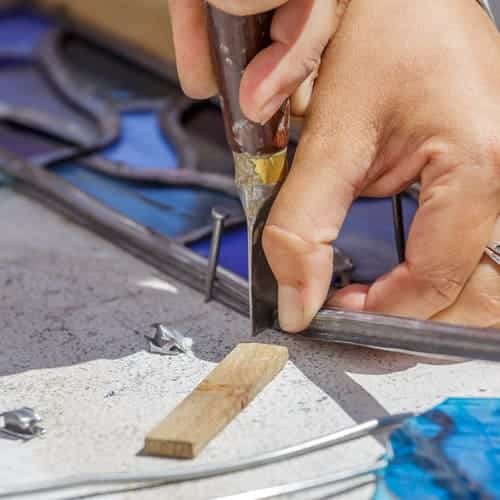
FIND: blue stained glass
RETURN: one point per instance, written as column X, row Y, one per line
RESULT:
column 367, row 237
column 142, row 144
column 233, row 252
column 450, row 452
column 170, row 211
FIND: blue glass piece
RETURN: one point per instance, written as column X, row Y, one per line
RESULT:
column 170, row 211
column 22, row 31
column 233, row 252
column 23, row 85
column 450, row 452
column 142, row 144
column 367, row 237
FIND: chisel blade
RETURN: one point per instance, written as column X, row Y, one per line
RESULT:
column 258, row 179
column 263, row 288
column 259, row 149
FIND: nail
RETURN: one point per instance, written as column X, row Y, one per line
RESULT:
column 291, row 309
column 219, row 218
column 271, row 107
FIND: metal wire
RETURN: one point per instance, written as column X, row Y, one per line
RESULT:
column 204, row 472
column 399, row 226
column 310, row 484
column 343, row 490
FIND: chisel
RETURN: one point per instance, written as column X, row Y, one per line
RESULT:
column 259, row 150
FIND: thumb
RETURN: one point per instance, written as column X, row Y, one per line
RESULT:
column 335, row 152
column 300, row 31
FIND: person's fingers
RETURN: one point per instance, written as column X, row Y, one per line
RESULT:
column 458, row 210
column 337, row 146
column 300, row 31
column 247, row 7
column 352, row 298
column 301, row 98
column 479, row 302
column 303, row 269
column 306, row 217
column 192, row 50
column 302, row 95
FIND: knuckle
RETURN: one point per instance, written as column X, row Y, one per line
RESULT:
column 473, row 168
column 277, row 253
column 274, row 245
column 486, row 146
column 492, row 149
column 351, row 185
column 487, row 176
column 267, row 239
column 491, row 303
column 287, row 253
column 310, row 62
column 493, row 152
column 440, row 289
column 440, row 281
column 485, row 300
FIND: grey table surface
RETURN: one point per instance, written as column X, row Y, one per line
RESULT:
column 74, row 311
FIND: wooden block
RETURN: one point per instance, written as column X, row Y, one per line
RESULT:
column 228, row 389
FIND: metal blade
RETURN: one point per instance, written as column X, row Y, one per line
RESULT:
column 263, row 288
column 258, row 179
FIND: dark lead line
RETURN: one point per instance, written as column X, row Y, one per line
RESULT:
column 399, row 227
column 213, row 259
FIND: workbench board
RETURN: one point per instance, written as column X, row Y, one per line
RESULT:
column 73, row 313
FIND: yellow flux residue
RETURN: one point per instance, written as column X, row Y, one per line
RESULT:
column 270, row 169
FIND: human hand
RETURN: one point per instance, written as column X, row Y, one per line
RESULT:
column 406, row 91
column 300, row 31
column 479, row 302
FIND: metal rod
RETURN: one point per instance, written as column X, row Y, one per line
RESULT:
column 343, row 490
column 213, row 259
column 405, row 334
column 310, row 484
column 399, row 226
column 202, row 472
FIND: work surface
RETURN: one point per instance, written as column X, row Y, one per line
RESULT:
column 74, row 311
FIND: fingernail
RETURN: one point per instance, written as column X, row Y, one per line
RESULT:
column 271, row 107
column 291, row 309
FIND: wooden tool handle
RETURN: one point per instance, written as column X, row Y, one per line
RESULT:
column 235, row 41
